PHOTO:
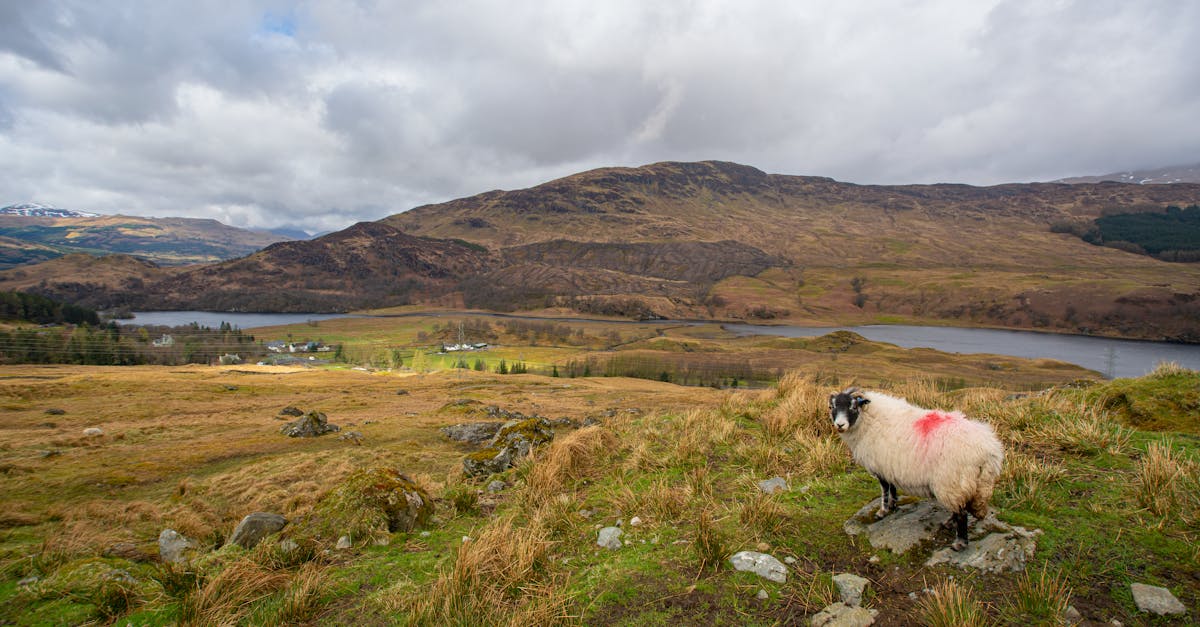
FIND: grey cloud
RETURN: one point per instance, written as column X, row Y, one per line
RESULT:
column 354, row 110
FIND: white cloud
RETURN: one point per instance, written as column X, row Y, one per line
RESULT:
column 323, row 113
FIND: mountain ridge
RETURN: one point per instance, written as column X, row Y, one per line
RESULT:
column 167, row 241
column 726, row 241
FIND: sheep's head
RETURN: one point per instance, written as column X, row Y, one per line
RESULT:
column 845, row 406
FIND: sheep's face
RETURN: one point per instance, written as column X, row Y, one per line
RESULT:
column 844, row 407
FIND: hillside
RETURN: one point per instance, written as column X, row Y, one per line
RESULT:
column 166, row 241
column 862, row 253
column 365, row 265
column 727, row 241
column 386, row 527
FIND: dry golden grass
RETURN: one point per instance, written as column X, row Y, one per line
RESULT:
column 498, row 577
column 567, row 459
column 1042, row 598
column 225, row 599
column 949, row 604
column 661, row 502
column 1161, row 478
column 761, row 515
column 1083, row 428
column 802, row 410
column 1025, row 479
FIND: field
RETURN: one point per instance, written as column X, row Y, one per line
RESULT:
column 1107, row 470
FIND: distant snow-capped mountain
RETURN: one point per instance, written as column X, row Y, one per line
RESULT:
column 1160, row 176
column 33, row 209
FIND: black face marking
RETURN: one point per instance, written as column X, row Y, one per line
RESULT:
column 844, row 408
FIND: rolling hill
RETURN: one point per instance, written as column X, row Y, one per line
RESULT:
column 35, row 234
column 721, row 240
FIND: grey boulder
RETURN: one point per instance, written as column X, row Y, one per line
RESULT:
column 255, row 527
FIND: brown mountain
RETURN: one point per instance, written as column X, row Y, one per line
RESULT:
column 729, row 241
column 165, row 241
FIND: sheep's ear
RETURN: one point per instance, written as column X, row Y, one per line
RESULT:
column 832, row 399
column 861, row 400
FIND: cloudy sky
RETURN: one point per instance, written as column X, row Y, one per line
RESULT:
column 319, row 114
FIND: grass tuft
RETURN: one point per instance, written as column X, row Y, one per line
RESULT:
column 711, row 545
column 1160, row 479
column 1040, row 599
column 949, row 604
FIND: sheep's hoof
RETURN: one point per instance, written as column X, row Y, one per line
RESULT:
column 948, row 523
column 881, row 512
column 958, row 545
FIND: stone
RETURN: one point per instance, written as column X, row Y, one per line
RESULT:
column 762, row 595
column 173, row 547
column 352, row 436
column 635, row 521
column 496, row 486
column 121, row 575
column 1072, row 616
column 851, row 587
column 254, row 527
column 472, row 432
column 54, row 411
column 343, row 543
column 28, row 581
column 609, row 538
column 903, row 529
column 310, row 425
column 92, row 432
column 1156, row 600
column 842, row 615
column 291, row 410
column 995, row 546
column 789, row 560
column 511, row 443
column 1006, row 549
column 287, row 546
column 761, row 564
column 773, row 485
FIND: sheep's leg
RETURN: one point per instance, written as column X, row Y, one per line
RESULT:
column 960, row 526
column 887, row 500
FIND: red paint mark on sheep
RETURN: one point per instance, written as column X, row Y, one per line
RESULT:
column 929, row 423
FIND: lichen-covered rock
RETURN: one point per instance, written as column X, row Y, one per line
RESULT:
column 511, row 443
column 851, row 587
column 372, row 503
column 254, row 527
column 609, row 538
column 842, row 615
column 173, row 547
column 310, row 425
column 761, row 564
column 472, row 432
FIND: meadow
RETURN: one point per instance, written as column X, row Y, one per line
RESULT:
column 1106, row 469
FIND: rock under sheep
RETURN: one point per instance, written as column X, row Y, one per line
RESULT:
column 922, row 452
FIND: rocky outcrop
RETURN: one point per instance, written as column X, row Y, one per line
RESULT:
column 510, row 444
column 373, row 503
column 995, row 546
column 472, row 432
column 310, row 425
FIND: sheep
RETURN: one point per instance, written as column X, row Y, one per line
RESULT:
column 922, row 452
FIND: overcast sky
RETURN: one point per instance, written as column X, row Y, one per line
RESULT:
column 320, row 114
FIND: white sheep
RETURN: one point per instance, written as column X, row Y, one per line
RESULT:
column 922, row 452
